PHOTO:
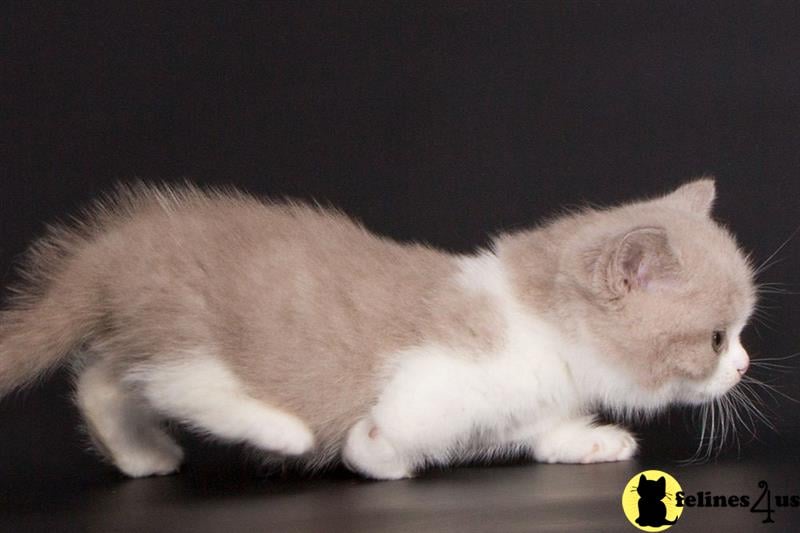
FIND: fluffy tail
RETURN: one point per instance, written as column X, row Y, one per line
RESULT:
column 51, row 313
column 56, row 306
column 35, row 340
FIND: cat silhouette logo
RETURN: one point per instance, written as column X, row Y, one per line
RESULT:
column 649, row 500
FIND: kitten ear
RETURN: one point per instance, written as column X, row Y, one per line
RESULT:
column 641, row 260
column 642, row 479
column 662, row 483
column 696, row 196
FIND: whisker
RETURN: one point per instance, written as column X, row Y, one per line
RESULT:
column 775, row 287
column 753, row 396
column 754, row 414
column 763, row 266
column 762, row 310
column 772, row 284
column 709, row 448
column 722, row 418
column 723, row 427
column 730, row 413
column 762, row 307
column 736, row 397
column 761, row 321
column 701, row 418
column 790, row 356
column 767, row 266
column 771, row 366
column 769, row 387
column 779, row 292
column 746, row 404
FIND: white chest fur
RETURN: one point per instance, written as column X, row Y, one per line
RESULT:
column 436, row 399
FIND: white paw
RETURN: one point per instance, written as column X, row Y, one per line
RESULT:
column 150, row 462
column 297, row 442
column 587, row 444
column 368, row 452
column 608, row 444
column 292, row 437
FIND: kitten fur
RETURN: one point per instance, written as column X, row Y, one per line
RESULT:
column 295, row 330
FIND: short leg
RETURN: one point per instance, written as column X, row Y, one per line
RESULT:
column 580, row 440
column 123, row 427
column 418, row 420
column 204, row 394
column 397, row 437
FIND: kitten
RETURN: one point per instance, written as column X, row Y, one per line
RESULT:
column 295, row 330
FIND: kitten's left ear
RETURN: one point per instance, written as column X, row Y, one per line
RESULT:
column 696, row 196
column 639, row 260
column 662, row 483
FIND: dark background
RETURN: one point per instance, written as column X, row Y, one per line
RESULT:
column 436, row 122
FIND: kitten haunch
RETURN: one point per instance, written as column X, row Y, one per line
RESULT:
column 295, row 330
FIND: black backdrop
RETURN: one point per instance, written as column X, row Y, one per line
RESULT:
column 437, row 122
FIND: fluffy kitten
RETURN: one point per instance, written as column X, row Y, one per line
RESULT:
column 296, row 331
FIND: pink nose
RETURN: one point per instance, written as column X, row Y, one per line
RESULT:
column 743, row 365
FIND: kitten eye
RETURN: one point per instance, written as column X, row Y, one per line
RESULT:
column 717, row 338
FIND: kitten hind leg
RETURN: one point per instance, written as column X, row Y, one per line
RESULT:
column 368, row 452
column 123, row 427
column 202, row 393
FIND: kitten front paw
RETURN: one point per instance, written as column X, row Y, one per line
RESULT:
column 610, row 443
column 581, row 443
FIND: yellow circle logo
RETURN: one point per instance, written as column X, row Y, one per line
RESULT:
column 649, row 500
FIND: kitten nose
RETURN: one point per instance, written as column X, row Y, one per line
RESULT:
column 739, row 358
column 742, row 365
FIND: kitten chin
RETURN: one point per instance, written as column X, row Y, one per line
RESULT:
column 295, row 330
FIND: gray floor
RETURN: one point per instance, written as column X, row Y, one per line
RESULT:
column 517, row 498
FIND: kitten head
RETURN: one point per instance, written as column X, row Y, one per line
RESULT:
column 663, row 293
